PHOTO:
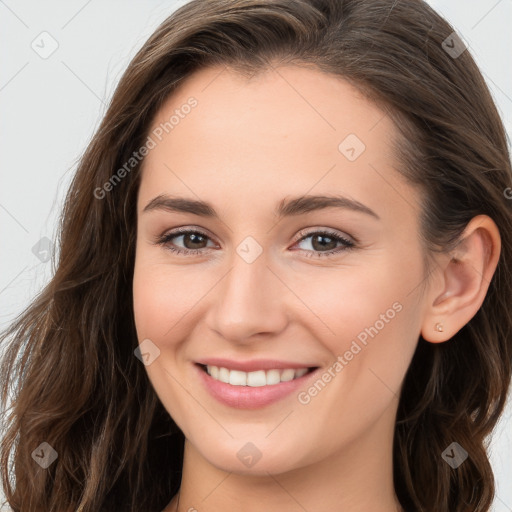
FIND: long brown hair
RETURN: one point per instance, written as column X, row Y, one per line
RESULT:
column 70, row 367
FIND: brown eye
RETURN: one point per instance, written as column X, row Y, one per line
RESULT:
column 184, row 241
column 324, row 243
column 194, row 240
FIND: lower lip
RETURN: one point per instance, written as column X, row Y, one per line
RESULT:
column 247, row 397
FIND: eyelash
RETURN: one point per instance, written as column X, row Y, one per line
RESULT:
column 347, row 244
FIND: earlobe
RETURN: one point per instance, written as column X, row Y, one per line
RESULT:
column 463, row 281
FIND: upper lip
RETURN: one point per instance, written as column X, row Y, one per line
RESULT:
column 253, row 364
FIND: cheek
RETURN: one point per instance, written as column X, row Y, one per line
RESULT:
column 355, row 303
column 151, row 308
column 161, row 301
column 162, row 297
column 370, row 318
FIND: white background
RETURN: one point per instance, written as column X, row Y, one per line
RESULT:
column 50, row 108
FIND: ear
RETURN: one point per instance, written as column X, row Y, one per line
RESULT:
column 461, row 280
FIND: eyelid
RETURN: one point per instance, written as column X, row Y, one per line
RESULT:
column 300, row 235
column 184, row 230
column 303, row 233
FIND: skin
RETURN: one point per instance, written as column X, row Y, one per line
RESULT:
column 247, row 145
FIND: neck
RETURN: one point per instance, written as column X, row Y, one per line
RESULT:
column 357, row 478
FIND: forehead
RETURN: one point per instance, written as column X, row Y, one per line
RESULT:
column 291, row 130
column 289, row 100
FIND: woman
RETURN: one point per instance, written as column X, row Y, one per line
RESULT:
column 284, row 275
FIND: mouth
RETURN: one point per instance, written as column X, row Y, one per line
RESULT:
column 257, row 378
column 253, row 389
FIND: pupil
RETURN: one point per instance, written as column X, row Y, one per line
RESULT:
column 195, row 239
column 321, row 245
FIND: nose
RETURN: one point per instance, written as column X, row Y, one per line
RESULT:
column 249, row 302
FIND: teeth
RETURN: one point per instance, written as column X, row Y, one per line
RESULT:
column 237, row 378
column 254, row 379
column 223, row 375
column 287, row 375
column 301, row 372
column 273, row 377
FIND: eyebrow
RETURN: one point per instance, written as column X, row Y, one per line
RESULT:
column 285, row 208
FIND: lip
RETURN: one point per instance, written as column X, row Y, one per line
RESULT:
column 253, row 365
column 247, row 397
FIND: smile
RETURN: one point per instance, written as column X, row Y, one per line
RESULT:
column 255, row 388
column 256, row 378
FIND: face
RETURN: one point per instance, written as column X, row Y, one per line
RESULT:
column 237, row 276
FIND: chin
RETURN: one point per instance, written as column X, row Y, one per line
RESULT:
column 247, row 458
